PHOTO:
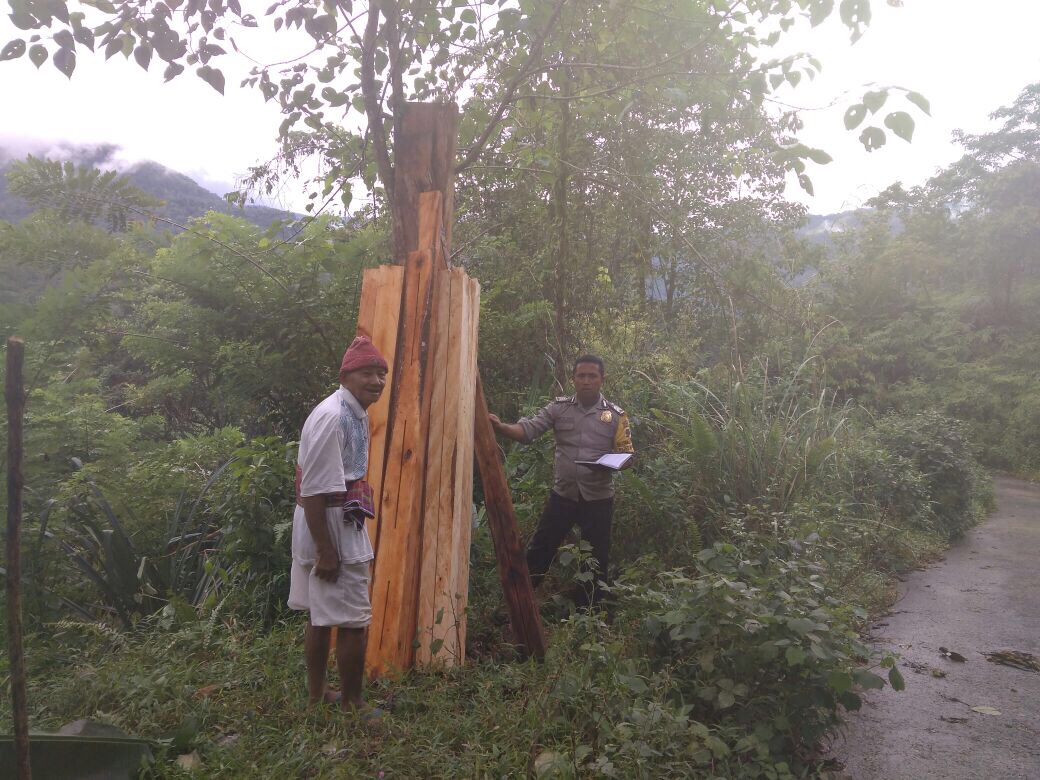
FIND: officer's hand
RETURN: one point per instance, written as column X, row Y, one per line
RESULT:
column 327, row 566
column 495, row 422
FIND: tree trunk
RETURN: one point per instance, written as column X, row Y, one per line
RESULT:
column 559, row 296
column 15, row 397
column 424, row 160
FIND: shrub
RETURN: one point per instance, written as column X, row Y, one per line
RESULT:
column 940, row 450
column 729, row 667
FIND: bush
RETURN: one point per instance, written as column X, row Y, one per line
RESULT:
column 941, row 452
column 729, row 667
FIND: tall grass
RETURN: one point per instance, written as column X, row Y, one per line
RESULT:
column 740, row 438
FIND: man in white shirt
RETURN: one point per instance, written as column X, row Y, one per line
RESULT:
column 331, row 549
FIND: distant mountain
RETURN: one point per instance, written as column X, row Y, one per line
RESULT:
column 183, row 198
column 820, row 228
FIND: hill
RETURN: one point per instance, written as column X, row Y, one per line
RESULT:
column 183, row 198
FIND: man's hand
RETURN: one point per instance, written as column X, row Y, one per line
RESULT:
column 513, row 431
column 327, row 566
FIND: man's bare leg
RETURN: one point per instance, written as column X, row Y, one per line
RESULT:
column 316, row 653
column 350, row 660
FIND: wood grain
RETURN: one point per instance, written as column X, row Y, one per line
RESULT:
column 378, row 318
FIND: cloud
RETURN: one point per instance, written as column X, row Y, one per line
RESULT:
column 98, row 155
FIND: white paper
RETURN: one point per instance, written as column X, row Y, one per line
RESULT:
column 612, row 460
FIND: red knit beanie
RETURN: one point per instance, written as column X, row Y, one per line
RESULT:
column 362, row 353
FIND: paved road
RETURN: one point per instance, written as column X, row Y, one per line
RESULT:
column 984, row 596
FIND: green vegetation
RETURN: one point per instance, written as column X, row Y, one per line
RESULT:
column 797, row 445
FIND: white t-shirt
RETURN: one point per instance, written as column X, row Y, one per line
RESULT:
column 333, row 451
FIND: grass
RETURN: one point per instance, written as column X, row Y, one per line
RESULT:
column 236, row 695
column 233, row 692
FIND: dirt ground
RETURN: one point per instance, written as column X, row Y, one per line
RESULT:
column 984, row 597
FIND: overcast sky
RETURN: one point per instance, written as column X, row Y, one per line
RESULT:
column 967, row 56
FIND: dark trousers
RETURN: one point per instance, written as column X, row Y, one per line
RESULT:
column 558, row 518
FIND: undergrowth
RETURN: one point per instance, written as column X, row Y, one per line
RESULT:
column 763, row 522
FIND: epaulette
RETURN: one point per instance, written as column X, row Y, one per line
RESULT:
column 614, row 407
column 562, row 399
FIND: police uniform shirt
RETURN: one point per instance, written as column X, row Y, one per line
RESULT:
column 581, row 434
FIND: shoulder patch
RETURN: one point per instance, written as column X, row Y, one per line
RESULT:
column 615, row 408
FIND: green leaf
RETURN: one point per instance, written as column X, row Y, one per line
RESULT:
column 854, row 115
column 819, row 11
column 902, row 124
column 794, row 656
column 839, row 681
column 469, row 16
column 868, row 680
column 850, row 701
column 213, row 77
column 819, row 156
column 726, row 699
column 37, row 55
column 65, row 61
column 872, row 138
column 801, row 625
column 805, row 183
column 634, row 683
column 435, row 646
column 143, row 55
column 334, row 97
column 875, row 99
column 920, row 101
column 895, row 677
column 855, row 14
column 64, row 39
column 173, row 70
column 13, row 50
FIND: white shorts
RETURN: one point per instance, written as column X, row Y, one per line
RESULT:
column 344, row 602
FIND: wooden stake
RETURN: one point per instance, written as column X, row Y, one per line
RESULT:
column 505, row 533
column 14, row 393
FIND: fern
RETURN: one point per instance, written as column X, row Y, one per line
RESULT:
column 79, row 193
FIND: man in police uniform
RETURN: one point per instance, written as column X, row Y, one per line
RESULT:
column 586, row 426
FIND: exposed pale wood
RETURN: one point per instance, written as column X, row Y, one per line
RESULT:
column 378, row 318
column 509, row 553
column 453, row 571
column 443, row 587
column 396, row 570
column 445, row 610
column 464, row 470
column 435, row 486
column 14, row 395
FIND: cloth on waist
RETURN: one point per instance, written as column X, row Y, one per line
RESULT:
column 359, row 503
column 358, row 500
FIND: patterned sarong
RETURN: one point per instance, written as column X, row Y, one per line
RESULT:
column 359, row 503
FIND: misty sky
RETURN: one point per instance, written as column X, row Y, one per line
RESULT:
column 968, row 57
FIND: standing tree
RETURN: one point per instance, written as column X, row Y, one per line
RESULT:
column 363, row 61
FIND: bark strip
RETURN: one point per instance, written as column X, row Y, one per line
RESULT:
column 505, row 533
